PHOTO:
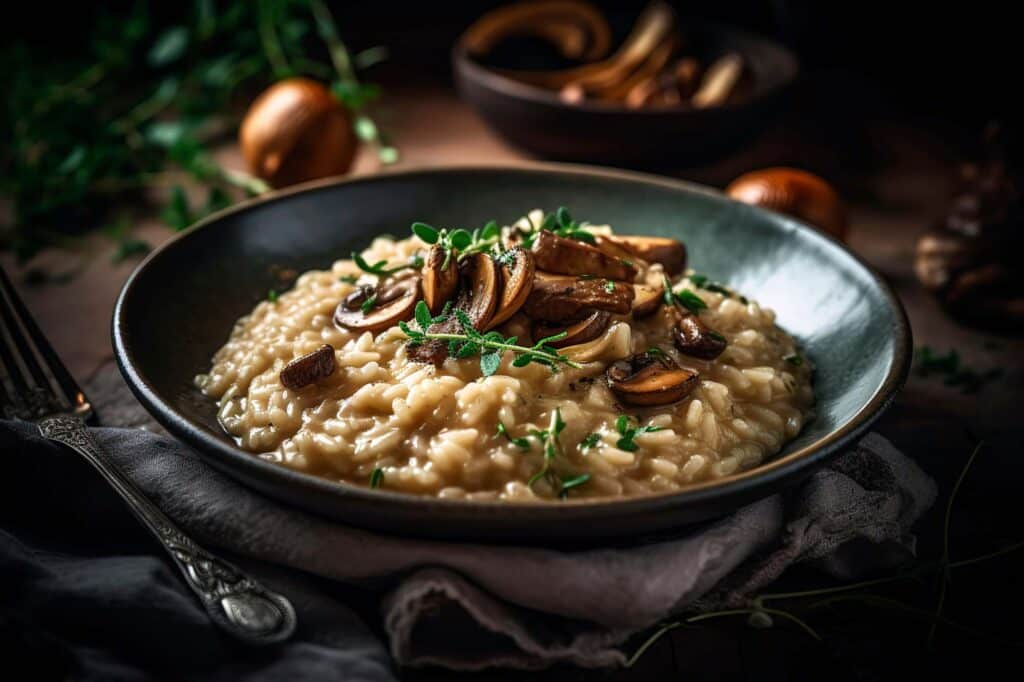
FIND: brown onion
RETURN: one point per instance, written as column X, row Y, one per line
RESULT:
column 796, row 193
column 297, row 131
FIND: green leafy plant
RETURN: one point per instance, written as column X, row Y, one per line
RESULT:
column 521, row 443
column 628, row 433
column 135, row 113
column 459, row 240
column 381, row 268
column 489, row 346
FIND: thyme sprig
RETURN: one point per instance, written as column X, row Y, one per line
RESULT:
column 490, row 346
column 559, row 222
column 458, row 240
column 629, row 433
column 552, row 448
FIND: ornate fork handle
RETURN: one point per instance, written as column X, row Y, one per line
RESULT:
column 235, row 602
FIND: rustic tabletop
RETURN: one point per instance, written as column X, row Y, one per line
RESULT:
column 896, row 178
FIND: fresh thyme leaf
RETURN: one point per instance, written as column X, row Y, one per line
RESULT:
column 422, row 314
column 272, row 295
column 369, row 304
column 376, row 477
column 655, row 352
column 628, row 433
column 794, row 359
column 380, row 267
column 589, row 441
column 586, row 277
column 348, row 279
column 460, row 238
column 690, row 301
column 569, row 484
column 716, row 336
column 699, row 280
column 425, row 232
column 667, row 290
column 625, row 261
column 521, row 443
column 490, row 230
column 609, row 286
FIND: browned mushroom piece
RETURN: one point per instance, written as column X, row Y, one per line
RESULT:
column 650, row 379
column 647, row 298
column 393, row 301
column 572, row 257
column 309, row 368
column 671, row 253
column 517, row 272
column 617, row 249
column 478, row 296
column 696, row 339
column 440, row 279
column 587, row 329
column 563, row 298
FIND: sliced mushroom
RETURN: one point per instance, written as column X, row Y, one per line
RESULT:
column 671, row 253
column 696, row 339
column 517, row 271
column 573, row 257
column 440, row 280
column 647, row 298
column 395, row 301
column 649, row 379
column 616, row 249
column 587, row 329
column 479, row 291
column 563, row 298
column 309, row 369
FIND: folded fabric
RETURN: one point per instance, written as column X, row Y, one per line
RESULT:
column 463, row 606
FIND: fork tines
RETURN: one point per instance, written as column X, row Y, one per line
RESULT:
column 33, row 380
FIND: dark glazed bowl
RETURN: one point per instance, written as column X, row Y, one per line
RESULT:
column 179, row 306
column 537, row 120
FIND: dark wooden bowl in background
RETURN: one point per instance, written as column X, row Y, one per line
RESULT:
column 537, row 120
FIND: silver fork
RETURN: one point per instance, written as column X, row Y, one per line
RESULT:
column 36, row 387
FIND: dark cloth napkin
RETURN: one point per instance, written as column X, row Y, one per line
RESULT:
column 81, row 581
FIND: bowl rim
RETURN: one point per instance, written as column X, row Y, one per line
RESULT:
column 466, row 65
column 786, row 466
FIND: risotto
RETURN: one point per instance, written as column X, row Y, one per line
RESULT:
column 543, row 360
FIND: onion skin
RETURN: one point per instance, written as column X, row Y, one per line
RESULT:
column 796, row 193
column 297, row 131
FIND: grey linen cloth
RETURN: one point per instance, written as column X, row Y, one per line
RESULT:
column 472, row 606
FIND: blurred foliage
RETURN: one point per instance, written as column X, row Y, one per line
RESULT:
column 139, row 105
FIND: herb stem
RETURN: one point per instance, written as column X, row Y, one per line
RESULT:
column 335, row 47
column 506, row 346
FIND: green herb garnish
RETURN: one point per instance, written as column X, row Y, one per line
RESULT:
column 794, row 359
column 272, row 295
column 459, row 240
column 590, row 441
column 376, row 477
column 381, row 269
column 609, row 286
column 349, row 279
column 560, row 223
column 369, row 304
column 570, row 483
column 666, row 294
column 490, row 346
column 551, row 447
column 629, row 433
column 521, row 443
column 690, row 301
column 698, row 280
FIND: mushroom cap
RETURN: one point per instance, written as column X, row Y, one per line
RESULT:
column 646, row 299
column 647, row 381
column 479, row 289
column 587, row 329
column 309, row 368
column 439, row 281
column 572, row 257
column 793, row 192
column 396, row 301
column 517, row 273
column 670, row 253
column 696, row 339
column 565, row 298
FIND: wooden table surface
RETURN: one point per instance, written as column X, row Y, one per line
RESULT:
column 896, row 178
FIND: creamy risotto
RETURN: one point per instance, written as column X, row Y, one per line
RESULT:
column 417, row 368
